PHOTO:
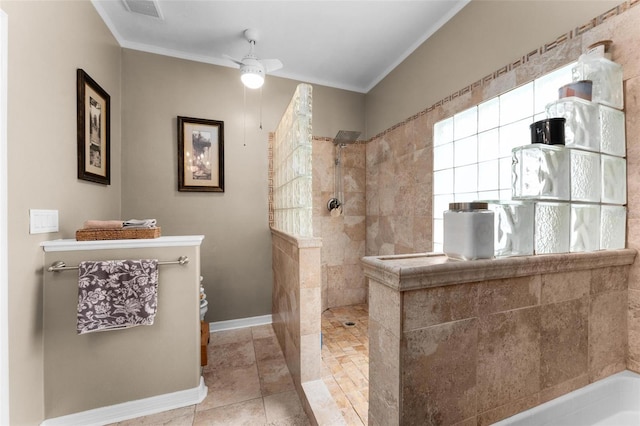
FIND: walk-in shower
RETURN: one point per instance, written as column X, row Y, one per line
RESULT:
column 342, row 139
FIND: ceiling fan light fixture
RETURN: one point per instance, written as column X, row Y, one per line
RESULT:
column 252, row 76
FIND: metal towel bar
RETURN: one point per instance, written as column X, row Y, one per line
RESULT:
column 61, row 266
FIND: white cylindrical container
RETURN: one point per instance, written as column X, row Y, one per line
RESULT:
column 468, row 231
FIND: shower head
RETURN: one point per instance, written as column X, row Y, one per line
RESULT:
column 346, row 137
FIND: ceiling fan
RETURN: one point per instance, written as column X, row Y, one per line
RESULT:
column 252, row 69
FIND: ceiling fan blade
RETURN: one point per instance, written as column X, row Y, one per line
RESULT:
column 271, row 64
column 233, row 60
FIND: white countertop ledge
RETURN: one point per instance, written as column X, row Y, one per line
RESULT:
column 170, row 241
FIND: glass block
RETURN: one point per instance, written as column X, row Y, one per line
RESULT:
column 613, row 227
column 581, row 129
column 466, row 179
column 465, row 151
column 443, row 182
column 541, row 172
column 513, row 228
column 465, row 197
column 443, row 132
column 612, row 134
column 585, row 227
column 306, row 222
column 614, row 179
column 489, row 114
column 552, row 222
column 302, row 99
column 488, row 145
column 546, row 87
column 506, row 178
column 488, row 175
column 514, row 135
column 301, row 161
column 443, row 156
column 585, row 176
column 465, row 123
column 606, row 76
column 491, row 195
column 441, row 204
column 438, row 231
column 516, row 104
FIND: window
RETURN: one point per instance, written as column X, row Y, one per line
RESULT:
column 472, row 149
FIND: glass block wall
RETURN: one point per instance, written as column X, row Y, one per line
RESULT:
column 472, row 150
column 292, row 200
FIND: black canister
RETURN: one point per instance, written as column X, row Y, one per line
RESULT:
column 549, row 131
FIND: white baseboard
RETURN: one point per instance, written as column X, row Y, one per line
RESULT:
column 132, row 409
column 239, row 323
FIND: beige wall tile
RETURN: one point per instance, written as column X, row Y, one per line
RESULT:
column 564, row 330
column 489, row 417
column 432, row 357
column 309, row 267
column 508, row 357
column 310, row 313
column 565, row 286
column 633, row 322
column 511, row 293
column 346, row 296
column 607, row 333
column 384, row 379
column 423, row 308
column 310, row 358
column 563, row 388
column 385, row 307
column 608, row 279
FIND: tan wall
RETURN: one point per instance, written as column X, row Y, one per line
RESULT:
column 83, row 372
column 236, row 252
column 47, row 42
column 482, row 37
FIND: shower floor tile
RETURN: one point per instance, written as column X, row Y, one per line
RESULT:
column 345, row 360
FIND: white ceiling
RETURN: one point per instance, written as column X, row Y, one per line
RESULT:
column 349, row 45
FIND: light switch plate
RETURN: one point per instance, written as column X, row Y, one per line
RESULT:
column 43, row 221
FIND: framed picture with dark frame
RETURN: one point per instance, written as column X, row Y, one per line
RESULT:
column 94, row 130
column 200, row 155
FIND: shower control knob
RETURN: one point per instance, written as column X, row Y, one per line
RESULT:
column 333, row 203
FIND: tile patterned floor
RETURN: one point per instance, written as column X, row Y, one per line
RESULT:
column 248, row 381
column 345, row 359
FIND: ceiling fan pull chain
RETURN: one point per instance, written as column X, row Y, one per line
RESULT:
column 244, row 115
column 260, row 108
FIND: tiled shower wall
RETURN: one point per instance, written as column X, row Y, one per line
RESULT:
column 343, row 237
column 400, row 164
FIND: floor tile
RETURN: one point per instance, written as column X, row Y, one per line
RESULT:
column 249, row 382
column 177, row 417
column 248, row 413
column 230, row 386
column 345, row 357
column 274, row 376
column 282, row 406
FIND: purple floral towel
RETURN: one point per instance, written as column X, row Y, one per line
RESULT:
column 116, row 294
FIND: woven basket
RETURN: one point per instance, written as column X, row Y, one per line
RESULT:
column 117, row 234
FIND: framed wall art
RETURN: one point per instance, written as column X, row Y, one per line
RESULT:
column 94, row 124
column 200, row 155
